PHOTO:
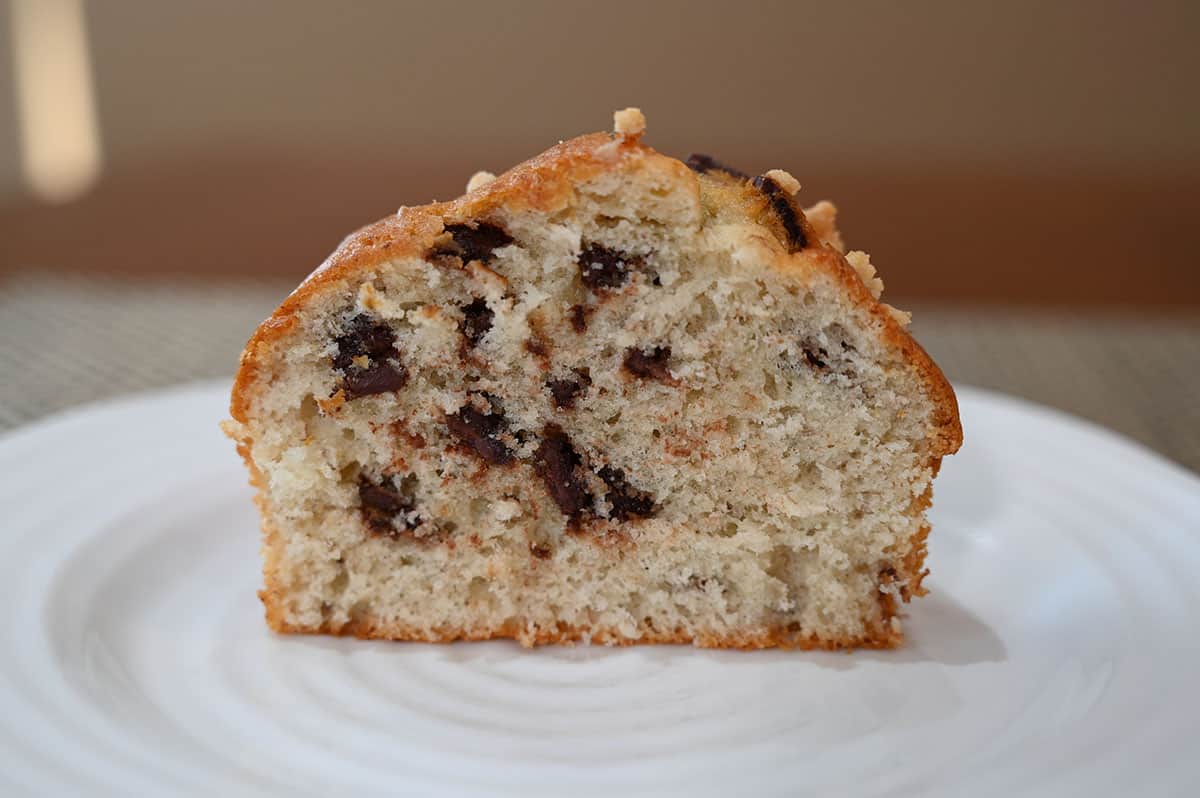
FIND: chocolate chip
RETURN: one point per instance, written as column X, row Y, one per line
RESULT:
column 364, row 336
column 378, row 378
column 579, row 314
column 565, row 391
column 649, row 364
column 558, row 464
column 601, row 267
column 541, row 551
column 473, row 241
column 817, row 358
column 478, row 431
column 785, row 208
column 382, row 372
column 477, row 320
column 537, row 347
column 384, row 505
column 706, row 163
column 625, row 500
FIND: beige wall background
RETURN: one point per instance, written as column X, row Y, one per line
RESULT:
column 1012, row 151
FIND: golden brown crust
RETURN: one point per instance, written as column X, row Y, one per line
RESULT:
column 547, row 183
column 773, row 637
column 912, row 562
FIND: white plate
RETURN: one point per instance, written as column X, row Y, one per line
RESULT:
column 1057, row 653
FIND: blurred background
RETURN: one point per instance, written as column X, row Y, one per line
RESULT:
column 1026, row 175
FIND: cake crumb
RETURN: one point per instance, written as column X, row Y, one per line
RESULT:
column 507, row 510
column 333, row 404
column 479, row 180
column 629, row 122
column 368, row 297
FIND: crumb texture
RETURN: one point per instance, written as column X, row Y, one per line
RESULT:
column 607, row 396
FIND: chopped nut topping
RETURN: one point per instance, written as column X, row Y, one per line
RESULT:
column 629, row 122
column 785, row 180
column 479, row 180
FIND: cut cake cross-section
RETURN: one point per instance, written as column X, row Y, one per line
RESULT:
column 607, row 396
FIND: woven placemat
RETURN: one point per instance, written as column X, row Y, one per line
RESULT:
column 67, row 341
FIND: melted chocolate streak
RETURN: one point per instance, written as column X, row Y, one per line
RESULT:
column 784, row 208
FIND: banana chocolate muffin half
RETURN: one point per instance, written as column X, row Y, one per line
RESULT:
column 607, row 396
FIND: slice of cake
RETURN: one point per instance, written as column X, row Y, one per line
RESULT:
column 606, row 396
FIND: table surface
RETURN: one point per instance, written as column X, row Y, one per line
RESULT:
column 68, row 341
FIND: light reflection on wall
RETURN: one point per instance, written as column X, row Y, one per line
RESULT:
column 60, row 138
